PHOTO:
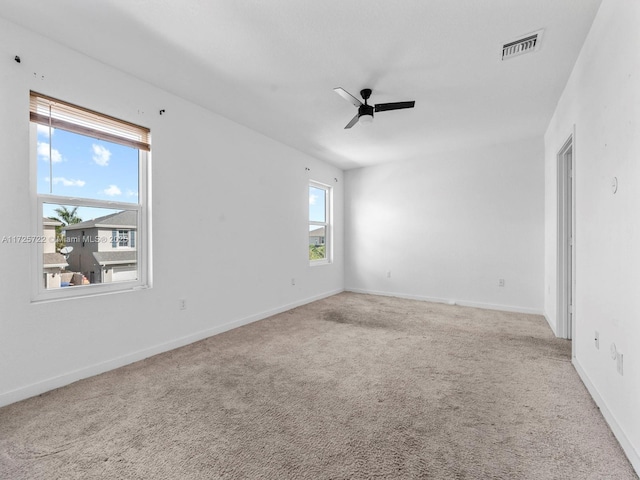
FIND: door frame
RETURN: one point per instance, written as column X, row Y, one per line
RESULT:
column 566, row 312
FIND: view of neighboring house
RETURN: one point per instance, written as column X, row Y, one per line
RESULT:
column 104, row 249
column 53, row 262
column 316, row 236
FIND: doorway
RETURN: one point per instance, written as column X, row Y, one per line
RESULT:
column 566, row 242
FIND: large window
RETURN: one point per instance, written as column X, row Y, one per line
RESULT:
column 90, row 214
column 319, row 223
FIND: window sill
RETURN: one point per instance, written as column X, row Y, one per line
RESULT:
column 317, row 263
column 78, row 292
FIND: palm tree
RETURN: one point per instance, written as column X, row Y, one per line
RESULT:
column 66, row 217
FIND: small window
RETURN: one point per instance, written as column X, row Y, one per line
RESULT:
column 123, row 238
column 319, row 223
column 91, row 186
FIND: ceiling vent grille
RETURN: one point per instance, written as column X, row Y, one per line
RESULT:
column 526, row 44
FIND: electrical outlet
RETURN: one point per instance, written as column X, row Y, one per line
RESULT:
column 501, row 282
column 596, row 339
column 388, row 273
column 293, row 281
column 182, row 304
column 619, row 363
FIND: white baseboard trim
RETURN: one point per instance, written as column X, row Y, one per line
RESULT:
column 627, row 447
column 48, row 384
column 487, row 306
column 551, row 325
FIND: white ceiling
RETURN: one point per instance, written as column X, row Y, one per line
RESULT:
column 272, row 65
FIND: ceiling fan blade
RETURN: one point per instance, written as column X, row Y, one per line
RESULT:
column 347, row 96
column 383, row 107
column 353, row 121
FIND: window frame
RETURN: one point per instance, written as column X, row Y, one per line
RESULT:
column 327, row 224
column 143, row 229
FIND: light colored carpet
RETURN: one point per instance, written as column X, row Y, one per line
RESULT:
column 353, row 386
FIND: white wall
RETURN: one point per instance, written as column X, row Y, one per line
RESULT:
column 448, row 227
column 602, row 100
column 210, row 176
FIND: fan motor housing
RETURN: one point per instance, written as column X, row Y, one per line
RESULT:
column 365, row 110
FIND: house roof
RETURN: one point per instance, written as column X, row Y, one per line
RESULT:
column 318, row 232
column 50, row 222
column 115, row 258
column 54, row 260
column 124, row 219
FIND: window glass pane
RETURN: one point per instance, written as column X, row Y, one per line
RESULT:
column 74, row 165
column 317, row 242
column 88, row 245
column 317, row 204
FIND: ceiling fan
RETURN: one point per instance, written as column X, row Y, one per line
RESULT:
column 365, row 111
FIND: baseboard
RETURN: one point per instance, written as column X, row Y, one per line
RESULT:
column 631, row 453
column 551, row 325
column 43, row 386
column 487, row 306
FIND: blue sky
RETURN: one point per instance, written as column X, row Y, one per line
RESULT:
column 84, row 167
column 316, row 206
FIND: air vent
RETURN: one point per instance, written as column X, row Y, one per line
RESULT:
column 526, row 44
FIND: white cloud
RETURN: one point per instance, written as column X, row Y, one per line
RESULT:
column 44, row 130
column 68, row 183
column 43, row 152
column 131, row 193
column 313, row 199
column 101, row 155
column 112, row 191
